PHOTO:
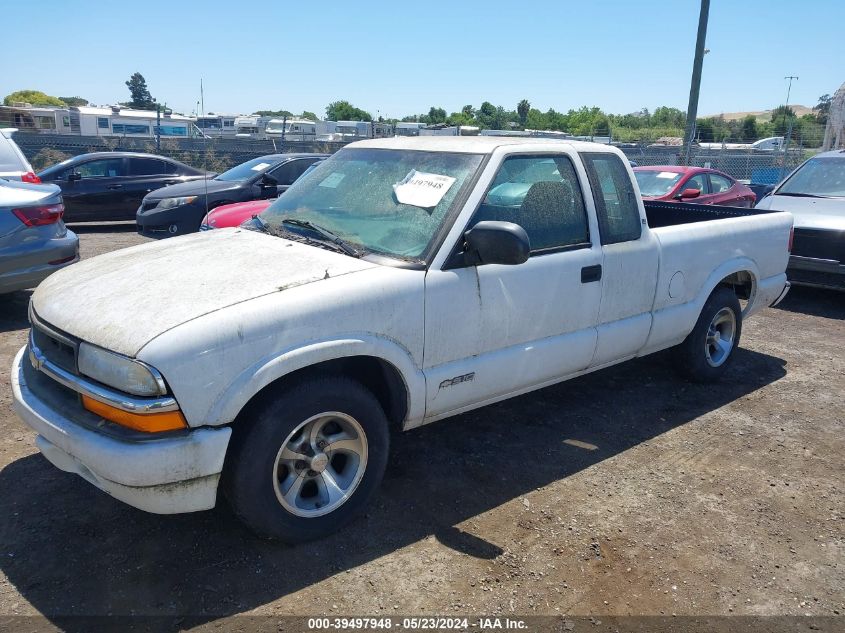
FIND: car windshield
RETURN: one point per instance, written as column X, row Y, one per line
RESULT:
column 656, row 183
column 817, row 177
column 386, row 201
column 247, row 170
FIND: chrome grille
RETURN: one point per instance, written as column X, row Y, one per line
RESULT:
column 55, row 346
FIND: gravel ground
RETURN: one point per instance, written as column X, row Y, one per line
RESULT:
column 624, row 492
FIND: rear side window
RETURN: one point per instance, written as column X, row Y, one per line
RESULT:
column 147, row 167
column 719, row 183
column 613, row 192
column 10, row 160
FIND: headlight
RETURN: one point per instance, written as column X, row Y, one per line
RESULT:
column 119, row 371
column 169, row 203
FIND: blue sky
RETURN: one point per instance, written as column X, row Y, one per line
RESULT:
column 397, row 58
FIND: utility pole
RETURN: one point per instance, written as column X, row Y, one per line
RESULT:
column 158, row 127
column 789, row 127
column 695, row 84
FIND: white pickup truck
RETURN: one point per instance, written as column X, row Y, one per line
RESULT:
column 403, row 281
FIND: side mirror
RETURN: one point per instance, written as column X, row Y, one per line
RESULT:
column 73, row 176
column 268, row 181
column 493, row 242
column 688, row 193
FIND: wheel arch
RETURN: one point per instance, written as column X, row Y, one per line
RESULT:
column 740, row 274
column 386, row 369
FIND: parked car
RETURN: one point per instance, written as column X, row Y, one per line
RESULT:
column 181, row 208
column 13, row 164
column 707, row 186
column 34, row 241
column 815, row 194
column 108, row 186
column 387, row 289
column 229, row 215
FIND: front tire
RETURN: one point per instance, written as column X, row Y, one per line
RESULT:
column 708, row 351
column 308, row 461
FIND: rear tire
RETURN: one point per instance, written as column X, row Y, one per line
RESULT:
column 308, row 461
column 708, row 351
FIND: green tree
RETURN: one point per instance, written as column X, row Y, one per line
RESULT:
column 309, row 115
column 822, row 108
column 275, row 113
column 436, row 115
column 34, row 97
column 749, row 129
column 345, row 111
column 74, row 101
column 468, row 111
column 141, row 97
column 522, row 109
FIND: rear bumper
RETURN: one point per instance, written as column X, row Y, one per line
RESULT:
column 821, row 273
column 36, row 266
column 169, row 475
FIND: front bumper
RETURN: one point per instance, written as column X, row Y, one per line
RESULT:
column 159, row 223
column 166, row 475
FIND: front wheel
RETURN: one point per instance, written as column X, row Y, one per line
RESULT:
column 308, row 461
column 709, row 349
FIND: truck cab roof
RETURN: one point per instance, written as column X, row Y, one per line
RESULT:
column 472, row 144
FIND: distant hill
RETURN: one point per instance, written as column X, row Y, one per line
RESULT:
column 761, row 115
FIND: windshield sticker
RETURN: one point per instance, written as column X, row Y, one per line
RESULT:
column 666, row 174
column 260, row 166
column 421, row 189
column 332, row 181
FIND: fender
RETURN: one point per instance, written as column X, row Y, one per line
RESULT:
column 672, row 324
column 253, row 379
column 737, row 265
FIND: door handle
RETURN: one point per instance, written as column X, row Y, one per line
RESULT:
column 590, row 274
column 115, row 187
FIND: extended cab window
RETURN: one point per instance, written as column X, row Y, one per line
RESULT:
column 541, row 194
column 616, row 203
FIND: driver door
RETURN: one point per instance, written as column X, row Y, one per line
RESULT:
column 492, row 331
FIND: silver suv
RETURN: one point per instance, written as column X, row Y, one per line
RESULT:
column 34, row 241
column 13, row 164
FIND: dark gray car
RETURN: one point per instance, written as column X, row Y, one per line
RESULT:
column 34, row 241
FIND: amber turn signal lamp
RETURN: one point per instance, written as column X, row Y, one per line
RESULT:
column 149, row 422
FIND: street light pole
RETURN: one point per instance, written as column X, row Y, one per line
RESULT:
column 695, row 84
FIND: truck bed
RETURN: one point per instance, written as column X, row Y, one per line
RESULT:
column 673, row 213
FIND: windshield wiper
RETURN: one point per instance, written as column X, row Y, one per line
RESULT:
column 799, row 195
column 327, row 235
column 262, row 225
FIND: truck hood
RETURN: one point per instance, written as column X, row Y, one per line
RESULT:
column 124, row 299
column 810, row 213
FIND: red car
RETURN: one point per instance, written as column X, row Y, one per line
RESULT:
column 235, row 214
column 702, row 185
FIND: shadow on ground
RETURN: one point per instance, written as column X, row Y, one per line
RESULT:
column 818, row 302
column 71, row 550
column 13, row 310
